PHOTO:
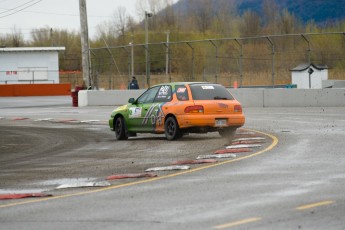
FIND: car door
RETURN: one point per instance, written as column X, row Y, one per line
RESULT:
column 163, row 96
column 139, row 112
column 154, row 115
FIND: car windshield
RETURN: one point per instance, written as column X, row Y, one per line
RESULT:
column 210, row 92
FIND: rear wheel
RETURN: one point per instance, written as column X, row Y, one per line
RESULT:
column 120, row 129
column 172, row 130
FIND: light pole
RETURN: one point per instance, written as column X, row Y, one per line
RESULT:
column 147, row 15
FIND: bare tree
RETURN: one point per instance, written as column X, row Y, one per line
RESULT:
column 131, row 24
column 16, row 38
column 288, row 22
column 169, row 16
column 250, row 24
column 271, row 15
column 41, row 36
column 225, row 19
column 120, row 21
column 202, row 12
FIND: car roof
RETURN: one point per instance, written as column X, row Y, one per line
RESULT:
column 185, row 83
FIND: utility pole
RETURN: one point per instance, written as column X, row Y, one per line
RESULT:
column 147, row 53
column 85, row 47
column 167, row 55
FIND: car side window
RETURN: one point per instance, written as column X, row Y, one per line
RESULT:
column 164, row 94
column 182, row 93
column 148, row 96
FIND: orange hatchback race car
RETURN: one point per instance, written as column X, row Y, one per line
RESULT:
column 179, row 108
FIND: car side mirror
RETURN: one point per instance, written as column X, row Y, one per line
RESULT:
column 131, row 100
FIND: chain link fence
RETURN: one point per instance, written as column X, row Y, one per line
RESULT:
column 251, row 61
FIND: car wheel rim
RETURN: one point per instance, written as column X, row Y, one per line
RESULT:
column 118, row 127
column 171, row 128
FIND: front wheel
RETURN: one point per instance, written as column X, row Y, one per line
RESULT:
column 120, row 129
column 172, row 130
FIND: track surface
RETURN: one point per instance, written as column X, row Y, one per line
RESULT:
column 299, row 184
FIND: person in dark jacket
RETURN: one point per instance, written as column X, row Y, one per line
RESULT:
column 133, row 84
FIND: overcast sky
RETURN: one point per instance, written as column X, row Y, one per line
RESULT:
column 64, row 14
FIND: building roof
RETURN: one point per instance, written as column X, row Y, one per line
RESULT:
column 32, row 49
column 305, row 66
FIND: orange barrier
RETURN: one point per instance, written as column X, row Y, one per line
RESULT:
column 35, row 90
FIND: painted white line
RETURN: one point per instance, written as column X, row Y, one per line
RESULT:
column 249, row 139
column 168, row 168
column 242, row 146
column 84, row 184
column 229, row 155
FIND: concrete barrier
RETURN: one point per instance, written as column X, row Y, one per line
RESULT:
column 304, row 98
column 247, row 97
column 106, row 97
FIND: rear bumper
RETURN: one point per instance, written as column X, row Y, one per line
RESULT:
column 187, row 121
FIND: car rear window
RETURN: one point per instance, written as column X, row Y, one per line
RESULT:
column 210, row 92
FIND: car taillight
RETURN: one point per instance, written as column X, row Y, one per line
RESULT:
column 194, row 109
column 238, row 108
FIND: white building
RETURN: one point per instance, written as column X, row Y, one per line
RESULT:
column 28, row 65
column 309, row 76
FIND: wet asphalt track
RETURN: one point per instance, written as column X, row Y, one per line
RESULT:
column 299, row 184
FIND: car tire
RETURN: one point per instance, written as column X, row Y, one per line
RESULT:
column 120, row 129
column 172, row 130
column 228, row 133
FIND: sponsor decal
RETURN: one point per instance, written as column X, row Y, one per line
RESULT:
column 134, row 112
column 181, row 90
column 155, row 115
column 207, row 87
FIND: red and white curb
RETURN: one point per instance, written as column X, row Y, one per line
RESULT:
column 224, row 151
column 130, row 175
column 229, row 155
column 45, row 119
column 187, row 162
column 22, row 195
column 84, row 184
column 247, row 142
column 20, row 119
column 249, row 139
column 168, row 168
column 243, row 146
